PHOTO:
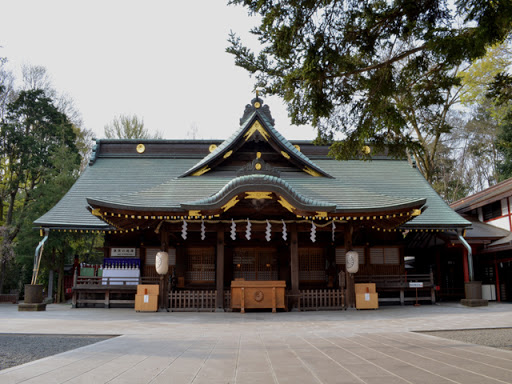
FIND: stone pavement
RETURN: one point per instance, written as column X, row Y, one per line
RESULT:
column 374, row 346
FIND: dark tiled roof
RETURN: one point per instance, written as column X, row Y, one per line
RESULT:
column 487, row 196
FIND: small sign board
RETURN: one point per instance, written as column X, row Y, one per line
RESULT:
column 415, row 284
column 123, row 252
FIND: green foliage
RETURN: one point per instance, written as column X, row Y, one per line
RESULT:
column 360, row 67
column 128, row 127
column 504, row 144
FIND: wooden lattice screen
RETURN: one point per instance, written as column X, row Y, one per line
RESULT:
column 311, row 264
column 200, row 265
column 255, row 264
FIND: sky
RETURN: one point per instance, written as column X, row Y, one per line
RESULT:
column 162, row 60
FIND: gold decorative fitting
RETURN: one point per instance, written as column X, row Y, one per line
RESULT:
column 297, row 147
column 257, row 166
column 258, row 195
column 201, row 171
column 321, row 214
column 257, row 105
column 258, row 155
column 96, row 212
column 286, row 204
column 227, row 154
column 231, row 203
column 312, row 172
column 194, row 213
column 256, row 127
column 141, row 148
column 287, row 156
column 416, row 212
column 212, row 147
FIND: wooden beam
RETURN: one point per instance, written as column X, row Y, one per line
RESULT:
column 220, row 268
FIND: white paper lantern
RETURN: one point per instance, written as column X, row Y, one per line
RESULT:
column 162, row 263
column 352, row 261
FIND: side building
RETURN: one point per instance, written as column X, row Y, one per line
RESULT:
column 490, row 237
column 257, row 208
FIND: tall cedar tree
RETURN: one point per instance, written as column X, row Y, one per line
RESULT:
column 344, row 66
column 32, row 132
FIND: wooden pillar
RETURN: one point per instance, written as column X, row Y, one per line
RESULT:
column 220, row 269
column 294, row 259
column 351, row 295
column 465, row 265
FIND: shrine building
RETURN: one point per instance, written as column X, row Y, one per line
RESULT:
column 257, row 209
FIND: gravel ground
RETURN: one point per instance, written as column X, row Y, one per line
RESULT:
column 16, row 349
column 496, row 337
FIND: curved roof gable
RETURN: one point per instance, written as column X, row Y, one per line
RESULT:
column 256, row 124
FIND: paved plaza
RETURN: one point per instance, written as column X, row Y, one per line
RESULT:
column 373, row 346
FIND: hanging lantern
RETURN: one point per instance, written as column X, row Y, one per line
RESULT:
column 352, row 261
column 162, row 263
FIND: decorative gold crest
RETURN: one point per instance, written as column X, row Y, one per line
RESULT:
column 258, row 195
column 141, row 148
column 257, row 166
column 297, row 147
column 212, row 147
column 285, row 155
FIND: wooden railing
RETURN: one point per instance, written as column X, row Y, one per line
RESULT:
column 91, row 281
column 399, row 284
column 321, row 299
column 192, row 301
column 106, row 291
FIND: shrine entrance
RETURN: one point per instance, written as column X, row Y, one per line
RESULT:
column 255, row 263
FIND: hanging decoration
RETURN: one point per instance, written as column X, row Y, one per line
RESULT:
column 203, row 230
column 268, row 231
column 184, row 230
column 285, row 235
column 313, row 232
column 248, row 230
column 233, row 230
column 333, row 230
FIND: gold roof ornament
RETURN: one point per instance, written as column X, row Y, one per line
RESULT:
column 212, row 147
column 141, row 148
column 257, row 127
column 201, row 171
column 286, row 204
column 312, row 172
column 231, row 203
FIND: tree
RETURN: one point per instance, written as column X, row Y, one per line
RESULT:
column 128, row 127
column 30, row 134
column 341, row 65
